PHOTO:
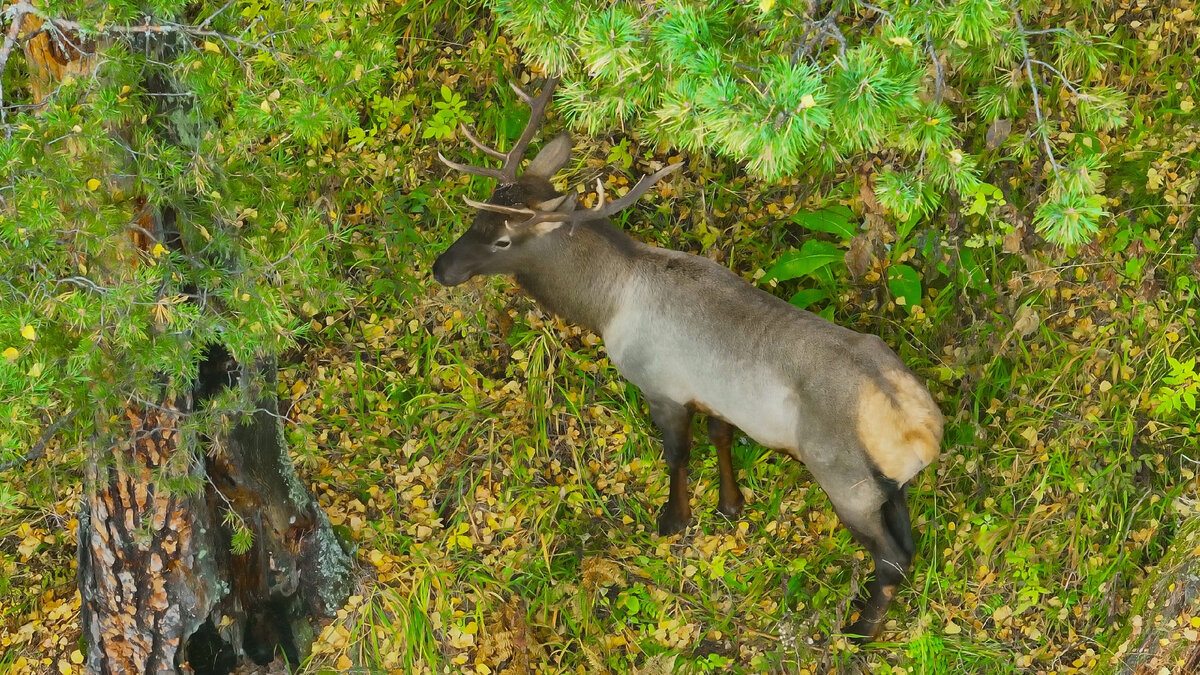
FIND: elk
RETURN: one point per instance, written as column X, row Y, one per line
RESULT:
column 696, row 338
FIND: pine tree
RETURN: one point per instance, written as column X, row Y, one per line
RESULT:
column 164, row 230
column 791, row 87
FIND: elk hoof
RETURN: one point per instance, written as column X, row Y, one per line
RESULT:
column 864, row 631
column 731, row 508
column 670, row 522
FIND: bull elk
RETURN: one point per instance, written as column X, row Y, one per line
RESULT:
column 695, row 337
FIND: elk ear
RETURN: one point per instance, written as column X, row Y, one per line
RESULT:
column 551, row 158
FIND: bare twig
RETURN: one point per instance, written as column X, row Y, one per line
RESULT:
column 939, row 81
column 877, row 10
column 10, row 41
column 1045, row 31
column 1037, row 101
column 39, row 448
column 1067, row 83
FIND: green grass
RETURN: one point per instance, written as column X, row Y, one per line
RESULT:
column 1053, row 496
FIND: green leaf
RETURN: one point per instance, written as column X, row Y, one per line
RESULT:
column 905, row 285
column 834, row 220
column 808, row 296
column 812, row 256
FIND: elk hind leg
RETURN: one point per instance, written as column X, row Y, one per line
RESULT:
column 730, row 501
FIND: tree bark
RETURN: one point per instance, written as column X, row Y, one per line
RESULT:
column 1159, row 635
column 162, row 589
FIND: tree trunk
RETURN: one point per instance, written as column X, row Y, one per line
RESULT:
column 1159, row 635
column 162, row 588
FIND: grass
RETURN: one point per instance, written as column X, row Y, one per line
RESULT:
column 1053, row 496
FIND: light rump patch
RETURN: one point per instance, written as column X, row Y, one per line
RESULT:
column 900, row 429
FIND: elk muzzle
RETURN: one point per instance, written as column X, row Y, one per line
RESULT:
column 464, row 259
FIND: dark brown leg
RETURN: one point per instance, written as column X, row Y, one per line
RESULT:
column 731, row 500
column 888, row 536
column 675, row 421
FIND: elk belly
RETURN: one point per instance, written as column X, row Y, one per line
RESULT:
column 766, row 412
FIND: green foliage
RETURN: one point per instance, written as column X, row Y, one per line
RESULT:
column 451, row 112
column 219, row 131
column 1180, row 389
column 783, row 90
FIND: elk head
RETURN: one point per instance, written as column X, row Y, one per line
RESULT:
column 505, row 235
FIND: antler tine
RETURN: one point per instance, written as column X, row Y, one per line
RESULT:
column 603, row 209
column 487, row 150
column 537, row 109
column 512, row 158
column 498, row 174
column 521, row 93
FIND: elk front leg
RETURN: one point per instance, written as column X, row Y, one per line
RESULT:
column 675, row 421
column 731, row 501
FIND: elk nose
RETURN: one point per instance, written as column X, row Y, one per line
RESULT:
column 439, row 270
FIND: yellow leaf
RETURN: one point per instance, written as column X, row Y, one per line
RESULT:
column 211, row 47
column 158, row 250
column 901, row 41
column 35, row 370
column 29, row 545
column 807, row 101
column 266, row 107
column 93, row 184
column 77, row 657
column 28, row 332
column 765, row 6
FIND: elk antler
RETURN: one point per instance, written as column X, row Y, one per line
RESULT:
column 512, row 159
column 603, row 209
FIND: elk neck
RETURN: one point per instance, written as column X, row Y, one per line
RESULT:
column 582, row 275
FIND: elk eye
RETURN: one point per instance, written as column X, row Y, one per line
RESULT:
column 502, row 242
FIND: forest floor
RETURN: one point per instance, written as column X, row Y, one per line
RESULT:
column 501, row 481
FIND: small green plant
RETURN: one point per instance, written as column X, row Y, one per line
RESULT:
column 816, row 258
column 1182, row 385
column 619, row 154
column 450, row 113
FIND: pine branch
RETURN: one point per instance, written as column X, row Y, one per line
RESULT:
column 18, row 11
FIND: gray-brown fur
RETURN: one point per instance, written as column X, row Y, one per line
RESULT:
column 694, row 336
